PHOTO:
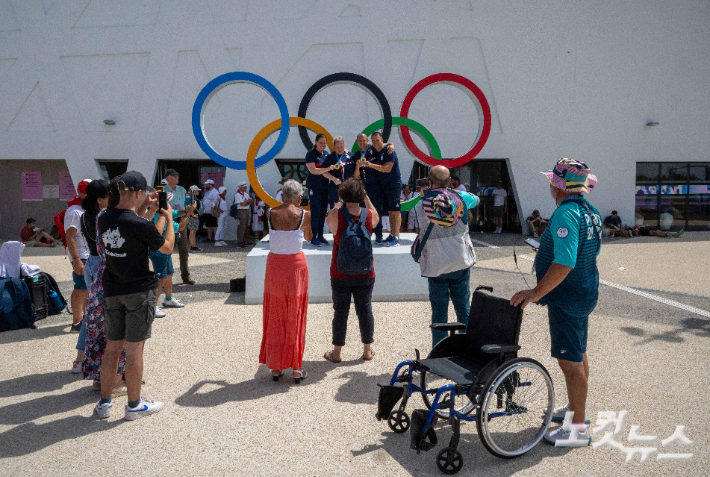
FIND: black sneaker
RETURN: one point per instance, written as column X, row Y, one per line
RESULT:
column 76, row 328
column 195, row 249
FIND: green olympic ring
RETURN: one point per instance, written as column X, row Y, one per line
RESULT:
column 416, row 127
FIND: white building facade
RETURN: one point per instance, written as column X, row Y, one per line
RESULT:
column 98, row 86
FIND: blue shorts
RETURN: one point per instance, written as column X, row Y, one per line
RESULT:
column 162, row 264
column 385, row 197
column 568, row 334
column 79, row 282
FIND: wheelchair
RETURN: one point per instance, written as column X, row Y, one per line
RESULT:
column 479, row 370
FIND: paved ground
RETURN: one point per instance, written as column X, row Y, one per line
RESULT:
column 225, row 416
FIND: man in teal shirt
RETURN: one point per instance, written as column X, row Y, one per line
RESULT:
column 568, row 283
column 178, row 203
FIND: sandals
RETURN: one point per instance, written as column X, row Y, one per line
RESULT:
column 303, row 376
column 372, row 355
column 276, row 377
column 329, row 357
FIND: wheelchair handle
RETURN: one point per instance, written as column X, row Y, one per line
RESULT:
column 483, row 287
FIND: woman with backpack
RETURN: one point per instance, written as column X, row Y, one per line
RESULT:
column 286, row 286
column 352, row 272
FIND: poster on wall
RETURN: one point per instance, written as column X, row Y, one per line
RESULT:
column 216, row 176
column 50, row 192
column 31, row 185
column 67, row 191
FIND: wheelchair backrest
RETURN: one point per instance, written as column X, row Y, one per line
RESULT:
column 492, row 320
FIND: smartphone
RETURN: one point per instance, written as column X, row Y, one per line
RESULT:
column 533, row 243
column 162, row 200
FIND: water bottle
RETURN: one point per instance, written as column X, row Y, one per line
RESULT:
column 56, row 301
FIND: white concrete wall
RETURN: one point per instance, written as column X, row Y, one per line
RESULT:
column 563, row 78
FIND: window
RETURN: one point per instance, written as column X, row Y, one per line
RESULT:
column 673, row 195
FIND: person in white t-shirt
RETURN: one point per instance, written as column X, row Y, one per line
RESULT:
column 77, row 252
column 280, row 193
column 244, row 202
column 222, row 219
column 257, row 219
column 210, row 199
column 500, row 206
column 412, row 222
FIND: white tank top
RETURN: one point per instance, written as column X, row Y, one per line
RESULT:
column 286, row 242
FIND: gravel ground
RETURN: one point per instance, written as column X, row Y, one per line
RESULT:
column 224, row 415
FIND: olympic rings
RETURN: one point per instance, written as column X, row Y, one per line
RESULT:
column 350, row 78
column 198, row 111
column 260, row 137
column 484, row 115
column 426, row 135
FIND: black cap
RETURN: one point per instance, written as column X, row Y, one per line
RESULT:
column 97, row 188
column 132, row 180
column 171, row 172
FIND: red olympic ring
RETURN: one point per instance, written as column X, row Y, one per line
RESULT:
column 484, row 128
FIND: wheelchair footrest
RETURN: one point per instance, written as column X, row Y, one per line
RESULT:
column 389, row 396
column 421, row 440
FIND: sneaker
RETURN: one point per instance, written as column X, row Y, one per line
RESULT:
column 219, row 244
column 120, row 390
column 561, row 435
column 389, row 238
column 316, row 242
column 76, row 367
column 159, row 313
column 323, row 241
column 76, row 328
column 558, row 415
column 144, row 408
column 394, row 242
column 103, row 410
column 172, row 303
column 679, row 233
column 195, row 249
column 380, row 241
column 188, row 281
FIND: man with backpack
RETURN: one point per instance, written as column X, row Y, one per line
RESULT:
column 352, row 273
column 443, row 247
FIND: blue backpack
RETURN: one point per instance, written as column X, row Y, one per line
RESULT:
column 16, row 311
column 355, row 252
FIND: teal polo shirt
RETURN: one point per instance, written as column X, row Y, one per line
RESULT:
column 573, row 239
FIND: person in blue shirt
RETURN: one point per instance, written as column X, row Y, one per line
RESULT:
column 568, row 283
column 344, row 168
column 383, row 184
column 317, row 183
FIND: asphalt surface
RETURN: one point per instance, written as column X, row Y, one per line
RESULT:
column 224, row 415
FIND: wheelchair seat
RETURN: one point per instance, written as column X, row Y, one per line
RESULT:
column 457, row 369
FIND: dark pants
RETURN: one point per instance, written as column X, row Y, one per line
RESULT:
column 332, row 194
column 318, row 200
column 184, row 250
column 361, row 291
column 456, row 285
column 374, row 192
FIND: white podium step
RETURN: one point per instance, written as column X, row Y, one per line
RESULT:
column 397, row 276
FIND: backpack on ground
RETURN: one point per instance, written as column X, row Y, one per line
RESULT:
column 355, row 252
column 16, row 311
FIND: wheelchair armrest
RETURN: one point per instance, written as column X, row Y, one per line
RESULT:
column 500, row 348
column 450, row 327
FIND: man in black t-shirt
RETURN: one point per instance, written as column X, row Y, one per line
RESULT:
column 129, row 288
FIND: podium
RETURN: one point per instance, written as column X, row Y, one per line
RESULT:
column 397, row 276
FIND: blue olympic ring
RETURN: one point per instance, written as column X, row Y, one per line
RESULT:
column 198, row 111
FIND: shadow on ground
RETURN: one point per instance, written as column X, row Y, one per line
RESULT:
column 696, row 326
column 39, row 333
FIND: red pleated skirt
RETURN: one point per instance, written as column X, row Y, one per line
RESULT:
column 285, row 310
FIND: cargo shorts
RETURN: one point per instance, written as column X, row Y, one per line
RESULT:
column 129, row 317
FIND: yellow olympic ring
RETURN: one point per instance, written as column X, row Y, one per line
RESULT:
column 256, row 143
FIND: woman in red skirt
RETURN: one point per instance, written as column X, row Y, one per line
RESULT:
column 286, row 286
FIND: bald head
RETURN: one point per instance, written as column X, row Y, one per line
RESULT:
column 439, row 177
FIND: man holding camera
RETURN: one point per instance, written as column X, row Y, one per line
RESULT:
column 129, row 288
column 178, row 203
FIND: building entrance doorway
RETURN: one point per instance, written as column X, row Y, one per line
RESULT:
column 482, row 177
column 192, row 171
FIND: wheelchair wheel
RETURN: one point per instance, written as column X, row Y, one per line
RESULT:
column 432, row 381
column 398, row 421
column 511, row 418
column 449, row 460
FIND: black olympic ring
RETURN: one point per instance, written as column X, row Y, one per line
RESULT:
column 351, row 78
